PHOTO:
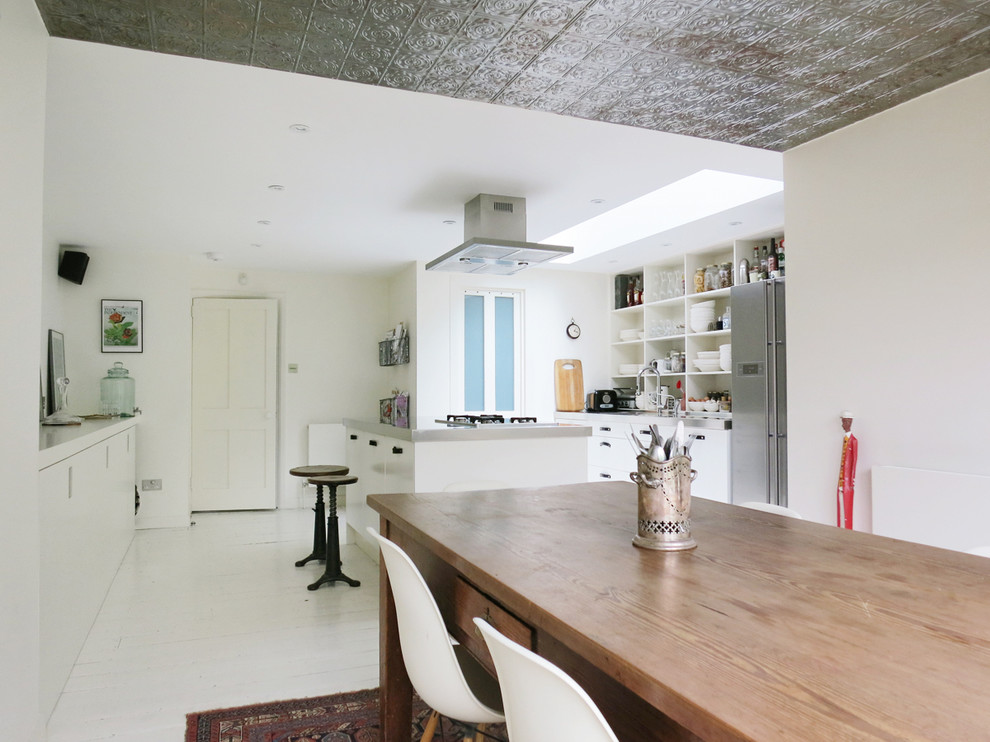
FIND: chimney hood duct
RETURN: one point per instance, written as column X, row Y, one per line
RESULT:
column 495, row 240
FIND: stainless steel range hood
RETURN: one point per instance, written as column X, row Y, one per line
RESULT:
column 495, row 240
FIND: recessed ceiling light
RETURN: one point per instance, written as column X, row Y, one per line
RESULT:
column 255, row 244
column 667, row 244
column 276, row 187
column 299, row 128
column 734, row 224
column 697, row 196
column 598, row 200
column 449, row 221
column 213, row 257
column 264, row 222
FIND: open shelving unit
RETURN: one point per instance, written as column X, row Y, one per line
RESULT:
column 662, row 321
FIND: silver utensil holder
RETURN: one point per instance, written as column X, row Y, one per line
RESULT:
column 664, row 521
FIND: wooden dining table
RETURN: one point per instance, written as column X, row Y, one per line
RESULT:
column 772, row 629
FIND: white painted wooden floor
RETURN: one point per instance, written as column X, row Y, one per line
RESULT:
column 214, row 616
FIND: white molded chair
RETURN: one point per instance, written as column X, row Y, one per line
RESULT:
column 542, row 702
column 983, row 551
column 766, row 507
column 427, row 648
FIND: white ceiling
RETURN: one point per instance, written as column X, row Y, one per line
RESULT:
column 152, row 152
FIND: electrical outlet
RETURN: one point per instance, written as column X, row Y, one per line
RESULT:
column 151, row 484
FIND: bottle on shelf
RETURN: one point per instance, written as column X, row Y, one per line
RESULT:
column 743, row 271
column 772, row 259
column 764, row 270
column 780, row 258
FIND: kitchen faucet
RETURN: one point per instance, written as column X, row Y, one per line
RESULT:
column 640, row 389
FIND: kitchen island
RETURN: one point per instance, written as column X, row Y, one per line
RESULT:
column 432, row 456
column 772, row 629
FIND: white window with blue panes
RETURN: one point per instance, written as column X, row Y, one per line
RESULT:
column 491, row 369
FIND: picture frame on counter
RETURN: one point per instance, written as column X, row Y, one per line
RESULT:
column 122, row 325
column 56, row 368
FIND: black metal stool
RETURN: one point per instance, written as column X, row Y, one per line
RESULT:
column 319, row 528
column 332, row 572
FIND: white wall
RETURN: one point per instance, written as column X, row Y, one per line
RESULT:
column 551, row 299
column 160, row 372
column 23, row 44
column 887, row 231
column 327, row 326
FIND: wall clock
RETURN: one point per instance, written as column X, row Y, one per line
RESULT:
column 573, row 331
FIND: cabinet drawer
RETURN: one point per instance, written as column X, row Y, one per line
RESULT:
column 604, row 474
column 609, row 429
column 470, row 602
column 612, row 453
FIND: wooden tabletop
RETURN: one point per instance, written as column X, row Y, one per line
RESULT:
column 772, row 629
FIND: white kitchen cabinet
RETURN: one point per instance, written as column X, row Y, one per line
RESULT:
column 433, row 457
column 611, row 456
column 86, row 516
column 662, row 322
column 381, row 464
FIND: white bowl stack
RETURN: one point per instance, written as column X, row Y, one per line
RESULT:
column 626, row 335
column 702, row 315
column 629, row 369
column 725, row 356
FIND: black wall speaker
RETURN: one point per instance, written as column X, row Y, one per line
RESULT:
column 72, row 266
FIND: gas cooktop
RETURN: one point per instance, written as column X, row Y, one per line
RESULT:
column 476, row 420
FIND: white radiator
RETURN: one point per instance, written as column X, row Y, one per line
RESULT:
column 937, row 508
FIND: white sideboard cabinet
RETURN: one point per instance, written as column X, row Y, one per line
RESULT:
column 86, row 518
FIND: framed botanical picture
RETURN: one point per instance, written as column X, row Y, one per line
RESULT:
column 121, row 321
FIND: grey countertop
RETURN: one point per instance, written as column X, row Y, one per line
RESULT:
column 713, row 421
column 427, row 430
column 57, row 442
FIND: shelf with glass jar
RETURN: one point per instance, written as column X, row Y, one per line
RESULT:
column 672, row 293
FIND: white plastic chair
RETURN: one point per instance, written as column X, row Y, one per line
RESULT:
column 766, row 507
column 983, row 551
column 427, row 648
column 541, row 701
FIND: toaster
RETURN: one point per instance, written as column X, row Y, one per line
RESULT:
column 602, row 400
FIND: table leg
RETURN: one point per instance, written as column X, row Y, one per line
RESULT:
column 319, row 532
column 395, row 690
column 333, row 573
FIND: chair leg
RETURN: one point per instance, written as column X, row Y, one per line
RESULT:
column 431, row 727
column 480, row 733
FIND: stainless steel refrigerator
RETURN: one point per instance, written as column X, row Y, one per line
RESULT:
column 759, row 393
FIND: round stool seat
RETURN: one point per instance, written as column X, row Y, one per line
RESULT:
column 318, row 471
column 334, row 479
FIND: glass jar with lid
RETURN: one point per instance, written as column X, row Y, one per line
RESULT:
column 117, row 392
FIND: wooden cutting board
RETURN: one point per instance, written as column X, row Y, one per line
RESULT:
column 568, row 385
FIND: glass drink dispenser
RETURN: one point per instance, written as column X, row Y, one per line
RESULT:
column 117, row 392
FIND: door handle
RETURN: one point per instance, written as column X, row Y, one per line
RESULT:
column 353, row 437
column 396, row 449
column 372, row 442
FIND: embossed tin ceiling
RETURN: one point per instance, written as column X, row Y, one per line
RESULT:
column 763, row 73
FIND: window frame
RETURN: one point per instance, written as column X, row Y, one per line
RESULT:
column 457, row 361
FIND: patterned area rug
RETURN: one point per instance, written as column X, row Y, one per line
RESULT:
column 345, row 717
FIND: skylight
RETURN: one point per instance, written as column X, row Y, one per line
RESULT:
column 697, row 196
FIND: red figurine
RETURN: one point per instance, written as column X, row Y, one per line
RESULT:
column 847, row 473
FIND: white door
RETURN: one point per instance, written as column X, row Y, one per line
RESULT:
column 233, row 390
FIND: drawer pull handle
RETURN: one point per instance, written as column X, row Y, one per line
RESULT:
column 604, row 429
column 396, row 449
column 353, row 437
column 645, row 432
column 372, row 443
column 603, row 475
column 606, row 444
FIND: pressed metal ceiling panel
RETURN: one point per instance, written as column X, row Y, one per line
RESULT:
column 764, row 73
